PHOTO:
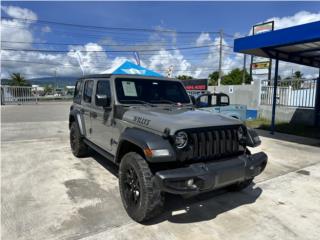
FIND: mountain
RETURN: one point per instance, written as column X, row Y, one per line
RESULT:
column 54, row 81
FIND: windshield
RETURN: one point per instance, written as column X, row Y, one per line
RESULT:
column 137, row 91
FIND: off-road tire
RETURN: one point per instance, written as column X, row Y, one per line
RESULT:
column 150, row 201
column 78, row 147
column 240, row 186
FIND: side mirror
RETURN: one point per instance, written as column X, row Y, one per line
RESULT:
column 102, row 100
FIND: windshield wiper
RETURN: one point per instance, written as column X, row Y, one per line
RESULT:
column 164, row 101
column 171, row 102
column 139, row 101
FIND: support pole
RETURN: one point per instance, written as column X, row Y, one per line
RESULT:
column 244, row 69
column 220, row 57
column 250, row 69
column 317, row 103
column 274, row 102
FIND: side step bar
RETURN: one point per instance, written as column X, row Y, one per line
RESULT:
column 104, row 153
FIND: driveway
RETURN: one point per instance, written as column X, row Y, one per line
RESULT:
column 47, row 193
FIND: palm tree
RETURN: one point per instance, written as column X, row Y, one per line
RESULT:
column 184, row 77
column 18, row 80
column 298, row 75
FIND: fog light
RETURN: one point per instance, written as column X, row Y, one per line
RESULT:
column 190, row 182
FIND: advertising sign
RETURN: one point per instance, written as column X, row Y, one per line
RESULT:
column 195, row 84
column 263, row 27
column 261, row 66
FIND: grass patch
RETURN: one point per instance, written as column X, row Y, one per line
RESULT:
column 284, row 127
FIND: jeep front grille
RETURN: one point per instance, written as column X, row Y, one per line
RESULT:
column 214, row 143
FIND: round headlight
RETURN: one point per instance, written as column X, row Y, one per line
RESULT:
column 181, row 140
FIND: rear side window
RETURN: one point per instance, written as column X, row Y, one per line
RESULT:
column 203, row 101
column 77, row 92
column 103, row 88
column 87, row 93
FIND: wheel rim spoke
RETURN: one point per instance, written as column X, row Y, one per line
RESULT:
column 132, row 187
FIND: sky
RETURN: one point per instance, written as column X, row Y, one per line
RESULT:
column 182, row 36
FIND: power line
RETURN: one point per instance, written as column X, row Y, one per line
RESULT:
column 97, row 51
column 157, row 69
column 114, row 28
column 70, row 33
column 67, row 65
column 106, row 45
column 105, row 27
column 103, row 45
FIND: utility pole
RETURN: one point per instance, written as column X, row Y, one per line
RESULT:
column 244, row 69
column 220, row 57
column 55, row 77
column 79, row 61
column 169, row 71
column 251, row 62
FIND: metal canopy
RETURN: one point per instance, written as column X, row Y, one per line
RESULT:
column 299, row 44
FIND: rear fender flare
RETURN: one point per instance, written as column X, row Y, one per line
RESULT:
column 76, row 114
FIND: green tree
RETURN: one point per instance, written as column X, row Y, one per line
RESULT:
column 297, row 82
column 48, row 89
column 213, row 78
column 16, row 79
column 235, row 77
column 298, row 75
column 184, row 77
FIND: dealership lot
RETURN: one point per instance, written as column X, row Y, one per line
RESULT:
column 47, row 193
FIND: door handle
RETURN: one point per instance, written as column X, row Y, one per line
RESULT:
column 93, row 114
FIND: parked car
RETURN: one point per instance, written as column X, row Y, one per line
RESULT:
column 149, row 127
column 220, row 103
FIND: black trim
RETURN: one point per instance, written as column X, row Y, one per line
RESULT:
column 252, row 139
column 144, row 139
column 96, row 76
column 211, row 175
column 104, row 153
column 211, row 143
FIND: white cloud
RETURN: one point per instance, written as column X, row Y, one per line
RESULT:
column 302, row 17
column 96, row 62
column 203, row 39
column 46, row 29
column 299, row 18
column 163, row 60
column 16, row 30
column 17, row 12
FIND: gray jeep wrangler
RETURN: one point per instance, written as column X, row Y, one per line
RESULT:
column 162, row 144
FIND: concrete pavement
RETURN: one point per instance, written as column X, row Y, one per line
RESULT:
column 47, row 193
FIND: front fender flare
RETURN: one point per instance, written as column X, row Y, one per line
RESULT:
column 144, row 139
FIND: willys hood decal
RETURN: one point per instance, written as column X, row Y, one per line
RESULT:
column 175, row 119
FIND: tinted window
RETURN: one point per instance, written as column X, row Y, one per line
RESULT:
column 203, row 101
column 213, row 100
column 103, row 88
column 77, row 92
column 224, row 100
column 87, row 93
column 152, row 91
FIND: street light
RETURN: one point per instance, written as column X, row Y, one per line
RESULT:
column 79, row 61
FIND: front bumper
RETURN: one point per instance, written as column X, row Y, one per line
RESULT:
column 211, row 175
